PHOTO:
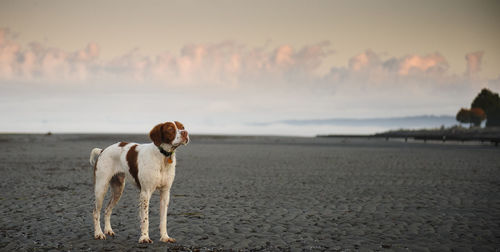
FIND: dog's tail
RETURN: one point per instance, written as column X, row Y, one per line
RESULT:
column 94, row 155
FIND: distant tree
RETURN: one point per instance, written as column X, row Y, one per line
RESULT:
column 477, row 115
column 489, row 102
column 464, row 115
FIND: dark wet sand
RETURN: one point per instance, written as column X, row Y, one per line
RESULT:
column 261, row 193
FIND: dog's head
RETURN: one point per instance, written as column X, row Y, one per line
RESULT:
column 169, row 133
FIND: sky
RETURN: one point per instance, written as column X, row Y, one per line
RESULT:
column 230, row 67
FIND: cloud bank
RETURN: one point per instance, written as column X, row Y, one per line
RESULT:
column 220, row 64
column 223, row 85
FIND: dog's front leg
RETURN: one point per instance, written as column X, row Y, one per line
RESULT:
column 164, row 200
column 144, row 212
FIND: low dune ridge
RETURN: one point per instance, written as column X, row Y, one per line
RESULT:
column 261, row 193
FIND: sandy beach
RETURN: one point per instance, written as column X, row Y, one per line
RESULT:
column 256, row 193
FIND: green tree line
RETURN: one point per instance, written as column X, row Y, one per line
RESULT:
column 486, row 106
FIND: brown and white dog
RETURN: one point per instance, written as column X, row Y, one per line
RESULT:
column 151, row 166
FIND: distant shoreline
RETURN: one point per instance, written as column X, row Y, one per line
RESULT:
column 455, row 133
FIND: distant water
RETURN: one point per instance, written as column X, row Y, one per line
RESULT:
column 303, row 127
column 353, row 125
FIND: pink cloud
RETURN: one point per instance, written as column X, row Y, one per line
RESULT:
column 372, row 64
column 8, row 54
column 371, row 69
column 474, row 60
column 39, row 62
column 427, row 63
column 284, row 56
column 364, row 60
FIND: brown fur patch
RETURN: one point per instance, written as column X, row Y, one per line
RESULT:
column 155, row 134
column 132, row 164
column 179, row 125
column 163, row 133
column 117, row 179
column 168, row 132
column 122, row 144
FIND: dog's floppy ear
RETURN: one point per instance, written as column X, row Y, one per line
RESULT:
column 155, row 134
column 168, row 132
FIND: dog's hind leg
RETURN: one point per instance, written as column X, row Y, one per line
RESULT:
column 101, row 187
column 117, row 183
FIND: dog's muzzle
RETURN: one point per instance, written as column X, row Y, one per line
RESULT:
column 185, row 137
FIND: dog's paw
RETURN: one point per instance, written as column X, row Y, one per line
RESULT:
column 145, row 239
column 167, row 239
column 109, row 232
column 99, row 236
